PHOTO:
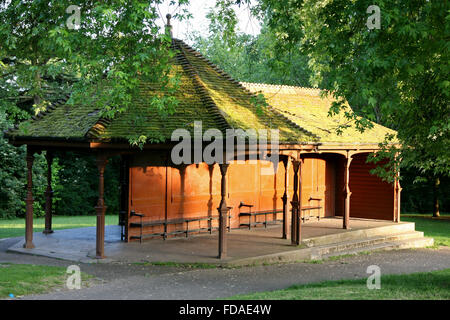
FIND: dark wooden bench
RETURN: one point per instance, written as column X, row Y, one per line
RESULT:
column 251, row 214
column 310, row 208
column 186, row 221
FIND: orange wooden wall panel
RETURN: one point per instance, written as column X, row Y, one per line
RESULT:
column 147, row 187
column 318, row 182
column 271, row 186
column 193, row 191
column 339, row 187
column 371, row 197
column 330, row 189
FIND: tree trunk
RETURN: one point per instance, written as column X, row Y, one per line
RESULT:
column 437, row 182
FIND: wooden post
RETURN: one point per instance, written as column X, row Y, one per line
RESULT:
column 48, row 195
column 124, row 191
column 347, row 193
column 397, row 191
column 295, row 218
column 101, row 208
column 298, row 237
column 223, row 211
column 29, row 201
column 285, row 197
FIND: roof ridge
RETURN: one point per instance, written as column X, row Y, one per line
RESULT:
column 246, row 90
column 41, row 114
column 281, row 86
column 204, row 95
column 98, row 127
column 209, row 62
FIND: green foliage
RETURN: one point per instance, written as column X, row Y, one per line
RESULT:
column 223, row 22
column 77, row 190
column 116, row 47
column 418, row 194
column 13, row 176
column 397, row 75
column 74, row 178
column 253, row 58
column 260, row 102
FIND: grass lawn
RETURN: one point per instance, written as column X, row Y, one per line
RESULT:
column 439, row 229
column 421, row 286
column 25, row 279
column 16, row 227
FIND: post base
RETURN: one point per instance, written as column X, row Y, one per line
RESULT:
column 29, row 245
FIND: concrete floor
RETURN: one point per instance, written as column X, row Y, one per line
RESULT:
column 79, row 244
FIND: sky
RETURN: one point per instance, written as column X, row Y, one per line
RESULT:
column 199, row 22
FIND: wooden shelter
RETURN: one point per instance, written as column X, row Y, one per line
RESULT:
column 320, row 174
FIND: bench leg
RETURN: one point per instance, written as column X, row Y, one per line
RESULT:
column 165, row 232
column 210, row 225
column 140, row 238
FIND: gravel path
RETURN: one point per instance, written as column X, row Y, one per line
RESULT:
column 125, row 281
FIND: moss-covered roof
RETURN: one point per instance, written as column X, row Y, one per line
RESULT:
column 206, row 94
column 307, row 108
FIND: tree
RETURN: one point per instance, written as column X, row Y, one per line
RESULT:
column 250, row 58
column 46, row 52
column 397, row 74
column 111, row 47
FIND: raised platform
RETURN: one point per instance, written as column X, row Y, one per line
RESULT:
column 321, row 239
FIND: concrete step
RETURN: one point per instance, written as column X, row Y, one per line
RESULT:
column 398, row 236
column 360, row 234
column 364, row 242
column 420, row 242
column 314, row 254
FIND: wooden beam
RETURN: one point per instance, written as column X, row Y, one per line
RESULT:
column 29, row 201
column 48, row 195
column 223, row 212
column 101, row 208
